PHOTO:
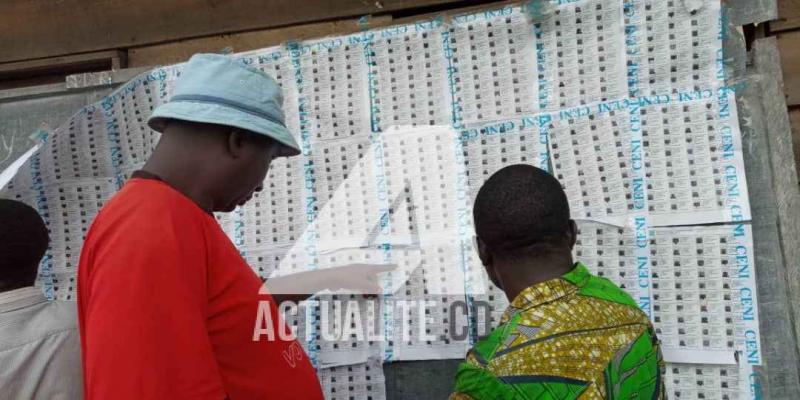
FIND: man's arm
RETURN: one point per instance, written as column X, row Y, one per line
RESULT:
column 637, row 370
column 475, row 383
column 357, row 278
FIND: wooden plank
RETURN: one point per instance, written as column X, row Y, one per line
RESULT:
column 789, row 45
column 788, row 16
column 52, row 70
column 49, row 64
column 175, row 52
column 780, row 203
column 794, row 117
column 451, row 12
column 37, row 29
column 745, row 12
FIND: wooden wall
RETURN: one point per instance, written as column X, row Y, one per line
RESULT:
column 43, row 41
column 38, row 29
column 787, row 31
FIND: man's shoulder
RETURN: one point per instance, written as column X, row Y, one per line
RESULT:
column 40, row 344
column 147, row 209
column 38, row 322
column 603, row 303
column 604, row 289
column 597, row 311
column 151, row 197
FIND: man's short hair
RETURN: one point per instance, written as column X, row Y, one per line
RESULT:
column 23, row 243
column 519, row 207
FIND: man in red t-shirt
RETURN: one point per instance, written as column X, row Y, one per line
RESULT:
column 167, row 306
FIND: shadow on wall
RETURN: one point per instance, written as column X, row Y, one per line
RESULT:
column 404, row 379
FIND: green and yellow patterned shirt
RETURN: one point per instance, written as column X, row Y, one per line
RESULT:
column 575, row 337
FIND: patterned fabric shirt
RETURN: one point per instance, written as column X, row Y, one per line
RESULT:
column 575, row 337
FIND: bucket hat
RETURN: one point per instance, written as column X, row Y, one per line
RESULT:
column 218, row 89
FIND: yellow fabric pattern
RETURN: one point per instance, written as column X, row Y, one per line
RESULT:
column 554, row 308
column 459, row 396
column 552, row 329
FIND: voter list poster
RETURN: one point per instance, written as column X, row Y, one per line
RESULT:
column 625, row 102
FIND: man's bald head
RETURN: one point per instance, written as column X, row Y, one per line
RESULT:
column 23, row 243
column 218, row 166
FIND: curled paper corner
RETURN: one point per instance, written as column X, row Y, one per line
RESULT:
column 539, row 10
column 11, row 171
column 694, row 5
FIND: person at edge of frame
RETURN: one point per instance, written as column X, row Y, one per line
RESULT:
column 39, row 340
column 566, row 334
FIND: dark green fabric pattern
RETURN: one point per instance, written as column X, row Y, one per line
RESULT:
column 597, row 287
column 634, row 373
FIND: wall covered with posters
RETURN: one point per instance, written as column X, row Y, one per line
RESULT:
column 625, row 102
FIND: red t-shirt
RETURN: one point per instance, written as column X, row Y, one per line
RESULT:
column 168, row 308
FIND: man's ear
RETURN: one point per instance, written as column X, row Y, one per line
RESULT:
column 483, row 252
column 488, row 262
column 236, row 143
column 572, row 234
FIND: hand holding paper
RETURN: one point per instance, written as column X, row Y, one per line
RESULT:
column 359, row 278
